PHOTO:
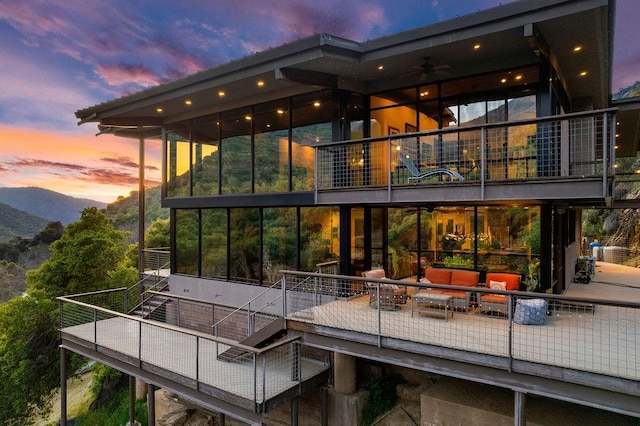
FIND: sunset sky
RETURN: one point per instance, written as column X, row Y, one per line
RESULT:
column 58, row 56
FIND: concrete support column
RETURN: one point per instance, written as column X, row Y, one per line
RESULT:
column 519, row 409
column 141, row 389
column 294, row 412
column 132, row 402
column 344, row 373
column 63, row 386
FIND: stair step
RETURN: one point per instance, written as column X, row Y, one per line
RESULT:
column 261, row 338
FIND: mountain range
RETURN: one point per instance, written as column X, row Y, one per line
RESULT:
column 26, row 211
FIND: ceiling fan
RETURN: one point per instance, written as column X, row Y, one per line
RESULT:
column 427, row 67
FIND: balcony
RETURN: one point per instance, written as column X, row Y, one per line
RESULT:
column 568, row 157
column 586, row 351
column 175, row 345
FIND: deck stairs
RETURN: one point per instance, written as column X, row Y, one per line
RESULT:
column 265, row 336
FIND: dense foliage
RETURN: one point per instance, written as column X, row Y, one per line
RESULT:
column 88, row 256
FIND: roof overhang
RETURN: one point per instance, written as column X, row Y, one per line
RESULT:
column 517, row 34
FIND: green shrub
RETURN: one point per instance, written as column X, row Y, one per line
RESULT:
column 382, row 397
column 114, row 414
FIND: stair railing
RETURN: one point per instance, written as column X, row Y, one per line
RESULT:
column 136, row 295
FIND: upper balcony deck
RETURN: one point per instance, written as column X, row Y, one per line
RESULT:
column 568, row 157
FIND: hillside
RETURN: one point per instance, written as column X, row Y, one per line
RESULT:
column 49, row 205
column 124, row 211
column 17, row 223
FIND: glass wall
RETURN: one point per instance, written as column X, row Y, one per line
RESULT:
column 237, row 164
column 187, row 229
column 319, row 236
column 244, row 245
column 271, row 141
column 206, row 159
column 214, row 243
column 178, row 159
column 279, row 242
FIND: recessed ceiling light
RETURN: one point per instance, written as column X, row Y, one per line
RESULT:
column 316, row 104
column 423, row 94
column 247, row 117
column 504, row 80
column 221, row 93
column 380, row 67
column 280, row 111
column 577, row 49
column 518, row 77
column 187, row 102
column 476, row 46
column 260, row 83
column 583, row 73
column 159, row 109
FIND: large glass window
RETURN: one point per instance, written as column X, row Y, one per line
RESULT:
column 236, row 152
column 319, row 236
column 271, row 141
column 244, row 232
column 279, row 246
column 214, row 243
column 187, row 229
column 206, row 157
column 178, row 158
column 311, row 123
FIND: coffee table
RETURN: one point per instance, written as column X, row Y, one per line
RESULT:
column 432, row 302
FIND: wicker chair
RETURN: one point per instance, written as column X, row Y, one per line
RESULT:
column 391, row 295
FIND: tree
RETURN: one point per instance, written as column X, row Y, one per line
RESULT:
column 89, row 256
column 83, row 258
column 29, row 357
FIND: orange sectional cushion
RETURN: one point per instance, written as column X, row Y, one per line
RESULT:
column 455, row 293
column 495, row 298
column 465, row 278
column 377, row 274
column 438, row 275
column 512, row 280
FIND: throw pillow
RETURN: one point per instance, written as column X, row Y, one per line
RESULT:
column 497, row 285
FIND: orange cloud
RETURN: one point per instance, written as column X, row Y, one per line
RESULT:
column 75, row 163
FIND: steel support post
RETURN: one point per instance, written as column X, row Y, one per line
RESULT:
column 519, row 409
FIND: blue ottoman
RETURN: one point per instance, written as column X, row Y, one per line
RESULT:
column 530, row 311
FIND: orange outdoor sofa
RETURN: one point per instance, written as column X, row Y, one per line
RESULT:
column 497, row 303
column 458, row 277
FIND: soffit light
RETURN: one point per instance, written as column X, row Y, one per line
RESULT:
column 577, row 49
column 187, row 102
column 476, row 46
column 583, row 74
column 380, row 67
column 260, row 83
column 221, row 93
column 316, row 104
column 159, row 110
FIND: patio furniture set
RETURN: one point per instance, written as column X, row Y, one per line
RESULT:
column 443, row 302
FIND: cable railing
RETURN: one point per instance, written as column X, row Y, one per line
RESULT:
column 588, row 335
column 576, row 145
column 98, row 322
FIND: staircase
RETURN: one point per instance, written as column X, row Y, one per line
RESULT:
column 259, row 339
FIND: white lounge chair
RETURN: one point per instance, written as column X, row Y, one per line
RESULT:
column 417, row 175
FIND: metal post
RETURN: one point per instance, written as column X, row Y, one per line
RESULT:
column 151, row 404
column 324, row 413
column 63, row 386
column 379, row 315
column 294, row 411
column 510, row 319
column 132, row 400
column 519, row 409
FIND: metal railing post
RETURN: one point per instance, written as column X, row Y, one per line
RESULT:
column 483, row 165
column 379, row 315
column 284, row 296
column 510, row 333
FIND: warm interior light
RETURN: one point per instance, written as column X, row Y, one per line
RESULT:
column 583, row 73
column 247, row 117
column 280, row 111
column 159, row 109
column 518, row 77
column 260, row 83
column 398, row 148
column 380, row 67
column 187, row 102
column 577, row 49
column 221, row 93
column 504, row 80
column 316, row 104
column 423, row 94
column 476, row 46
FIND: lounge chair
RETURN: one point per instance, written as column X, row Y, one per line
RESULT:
column 417, row 175
column 391, row 295
column 497, row 303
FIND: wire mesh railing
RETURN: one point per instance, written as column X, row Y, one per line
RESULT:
column 569, row 146
column 589, row 335
column 156, row 259
column 98, row 321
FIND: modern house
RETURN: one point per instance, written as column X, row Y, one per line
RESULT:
column 473, row 144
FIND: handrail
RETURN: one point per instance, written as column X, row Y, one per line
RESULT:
column 448, row 130
column 240, row 308
column 190, row 332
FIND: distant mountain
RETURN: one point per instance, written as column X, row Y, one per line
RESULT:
column 628, row 92
column 50, row 205
column 16, row 223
